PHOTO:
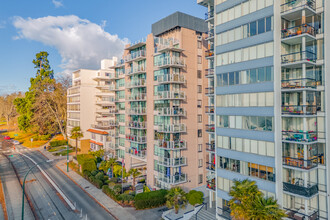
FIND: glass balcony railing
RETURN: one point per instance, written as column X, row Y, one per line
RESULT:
column 209, row 53
column 210, row 34
column 171, row 78
column 299, row 189
column 171, row 111
column 136, row 125
column 210, row 146
column 172, row 179
column 209, row 109
column 137, row 153
column 210, row 184
column 172, row 128
column 171, row 145
column 137, row 97
column 210, row 128
column 210, row 166
column 171, row 95
column 297, row 4
column 298, row 57
column 135, row 55
column 298, row 30
column 299, row 109
column 209, row 15
column 137, row 138
column 301, row 214
column 299, row 83
column 136, row 70
column 137, row 83
column 172, row 162
column 171, row 61
column 300, row 163
column 209, row 91
column 137, row 111
column 209, row 72
column 299, row 136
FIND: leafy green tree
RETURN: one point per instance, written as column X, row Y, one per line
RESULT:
column 106, row 164
column 76, row 134
column 134, row 173
column 98, row 153
column 176, row 198
column 118, row 171
column 195, row 197
column 248, row 202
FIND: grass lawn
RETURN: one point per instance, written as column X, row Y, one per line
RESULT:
column 63, row 153
column 53, row 149
column 25, row 139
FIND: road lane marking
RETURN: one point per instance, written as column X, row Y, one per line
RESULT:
column 52, row 182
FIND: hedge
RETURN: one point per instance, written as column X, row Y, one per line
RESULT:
column 57, row 143
column 109, row 192
column 88, row 165
column 150, row 199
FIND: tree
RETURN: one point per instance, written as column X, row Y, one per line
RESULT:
column 134, row 173
column 76, row 134
column 7, row 107
column 118, row 170
column 248, row 202
column 176, row 198
column 195, row 197
column 98, row 153
column 106, row 165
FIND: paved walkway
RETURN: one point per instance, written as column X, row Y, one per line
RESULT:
column 114, row 208
column 13, row 192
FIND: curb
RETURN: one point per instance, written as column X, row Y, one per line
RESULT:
column 82, row 188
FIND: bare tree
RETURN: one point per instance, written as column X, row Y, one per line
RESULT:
column 7, row 107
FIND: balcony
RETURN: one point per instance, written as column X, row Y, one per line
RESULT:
column 210, row 147
column 209, row 15
column 119, row 99
column 299, row 109
column 175, row 111
column 136, row 56
column 169, row 47
column 299, row 136
column 137, row 70
column 140, row 139
column 102, row 77
column 210, row 35
column 295, row 60
column 209, row 73
column 174, row 128
column 300, row 214
column 209, row 91
column 292, row 10
column 172, row 162
column 172, row 179
column 105, row 102
column 137, row 153
column 136, row 125
column 299, row 84
column 137, row 44
column 210, row 166
column 210, row 184
column 120, row 63
column 210, row 128
column 293, row 35
column 103, row 126
column 171, row 62
column 104, row 118
column 299, row 189
column 137, row 83
column 300, row 162
column 103, row 111
column 165, row 95
column 209, row 109
column 104, row 93
column 171, row 78
column 209, row 53
column 171, row 145
column 137, row 97
column 137, row 111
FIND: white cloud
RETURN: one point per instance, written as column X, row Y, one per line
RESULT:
column 81, row 43
column 57, row 3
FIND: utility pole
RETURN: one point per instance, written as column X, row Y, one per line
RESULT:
column 67, row 157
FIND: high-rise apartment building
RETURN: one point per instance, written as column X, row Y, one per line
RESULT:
column 271, row 64
column 159, row 98
column 90, row 106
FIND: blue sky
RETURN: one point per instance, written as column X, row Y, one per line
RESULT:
column 76, row 33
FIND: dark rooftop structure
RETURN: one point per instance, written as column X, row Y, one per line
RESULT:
column 179, row 19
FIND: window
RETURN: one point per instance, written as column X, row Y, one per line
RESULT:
column 199, row 88
column 199, row 74
column 253, row 28
column 200, row 147
column 199, row 59
column 261, row 26
column 200, row 162
column 268, row 23
column 199, row 44
column 200, row 178
column 199, row 133
column 199, row 118
column 199, row 103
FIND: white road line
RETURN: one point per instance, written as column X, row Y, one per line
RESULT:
column 52, row 182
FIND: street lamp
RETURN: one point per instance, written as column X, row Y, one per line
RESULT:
column 47, row 161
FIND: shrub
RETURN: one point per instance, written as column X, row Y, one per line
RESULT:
column 109, row 192
column 88, row 165
column 114, row 180
column 126, row 197
column 57, row 143
column 111, row 185
column 100, row 176
column 106, row 178
column 117, row 189
column 45, row 137
column 150, row 199
column 86, row 173
column 195, row 197
column 94, row 172
column 98, row 183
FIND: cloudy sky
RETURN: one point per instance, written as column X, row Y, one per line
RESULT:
column 76, row 33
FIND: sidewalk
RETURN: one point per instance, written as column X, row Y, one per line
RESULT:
column 114, row 208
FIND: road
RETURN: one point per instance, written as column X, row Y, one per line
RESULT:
column 46, row 201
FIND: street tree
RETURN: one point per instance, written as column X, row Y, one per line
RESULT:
column 76, row 134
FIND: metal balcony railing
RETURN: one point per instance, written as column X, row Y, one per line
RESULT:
column 137, row 83
column 210, row 146
column 295, row 4
column 172, row 179
column 136, row 70
column 209, row 15
column 210, row 127
column 209, row 109
column 137, row 111
column 301, row 214
column 210, row 184
column 172, row 162
column 136, row 138
column 171, row 111
column 298, row 30
column 299, row 83
column 210, row 166
column 306, row 191
column 135, row 55
column 171, row 61
column 171, row 78
column 209, row 91
column 299, row 136
column 298, row 56
column 209, row 53
column 299, row 109
column 137, row 153
column 173, row 128
column 137, row 97
column 171, row 95
column 172, row 145
column 300, row 163
column 209, row 72
column 136, row 125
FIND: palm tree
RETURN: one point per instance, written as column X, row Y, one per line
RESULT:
column 176, row 198
column 134, row 173
column 76, row 133
column 105, row 165
column 266, row 208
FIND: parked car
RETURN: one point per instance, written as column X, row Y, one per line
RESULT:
column 6, row 138
column 16, row 142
